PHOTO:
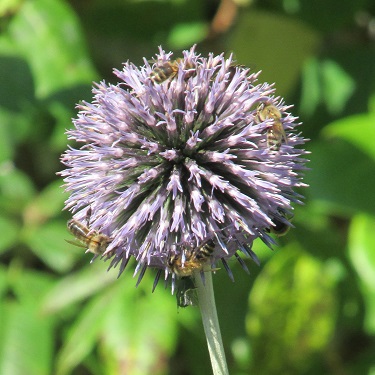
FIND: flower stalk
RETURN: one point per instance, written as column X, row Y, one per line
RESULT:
column 206, row 299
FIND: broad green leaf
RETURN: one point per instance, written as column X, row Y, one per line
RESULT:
column 26, row 340
column 311, row 87
column 186, row 34
column 83, row 334
column 292, row 305
column 16, row 189
column 48, row 203
column 9, row 7
column 274, row 44
column 3, row 282
column 16, row 84
column 27, row 285
column 9, row 230
column 358, row 130
column 362, row 256
column 48, row 242
column 48, row 35
column 78, row 286
column 7, row 147
column 128, row 323
column 340, row 177
column 325, row 82
column 337, row 88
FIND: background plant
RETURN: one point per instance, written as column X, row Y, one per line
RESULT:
column 309, row 307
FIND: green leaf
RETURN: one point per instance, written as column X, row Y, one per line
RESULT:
column 3, row 282
column 26, row 340
column 6, row 143
column 16, row 83
column 83, row 334
column 9, row 230
column 359, row 130
column 28, row 286
column 362, row 256
column 311, row 87
column 8, row 7
column 47, row 34
column 48, row 243
column 128, row 323
column 338, row 86
column 273, row 37
column 78, row 286
column 47, row 204
column 339, row 176
column 325, row 82
column 292, row 306
column 16, row 189
column 186, row 34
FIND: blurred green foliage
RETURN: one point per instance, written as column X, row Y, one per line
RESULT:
column 309, row 308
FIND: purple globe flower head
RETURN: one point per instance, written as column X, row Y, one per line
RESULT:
column 183, row 163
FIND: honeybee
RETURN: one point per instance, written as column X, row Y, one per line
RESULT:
column 195, row 259
column 280, row 228
column 232, row 70
column 186, row 293
column 95, row 242
column 276, row 133
column 167, row 70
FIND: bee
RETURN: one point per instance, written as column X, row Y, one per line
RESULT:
column 95, row 242
column 279, row 227
column 195, row 259
column 276, row 133
column 168, row 70
column 186, row 293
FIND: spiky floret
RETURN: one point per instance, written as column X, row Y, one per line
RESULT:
column 167, row 166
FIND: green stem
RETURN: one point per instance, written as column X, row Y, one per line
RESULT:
column 207, row 306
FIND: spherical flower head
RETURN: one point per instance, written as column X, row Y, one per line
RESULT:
column 183, row 162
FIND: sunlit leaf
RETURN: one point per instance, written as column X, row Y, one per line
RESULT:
column 47, row 34
column 27, row 285
column 78, row 286
column 337, row 88
column 183, row 35
column 266, row 40
column 325, row 82
column 48, row 203
column 8, row 7
column 362, row 256
column 339, row 176
column 16, row 188
column 3, row 282
column 311, row 86
column 48, row 242
column 83, row 335
column 128, row 323
column 9, row 230
column 25, row 337
column 358, row 130
column 292, row 305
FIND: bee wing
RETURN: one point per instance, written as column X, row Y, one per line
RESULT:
column 76, row 244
